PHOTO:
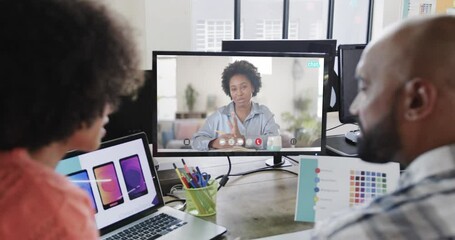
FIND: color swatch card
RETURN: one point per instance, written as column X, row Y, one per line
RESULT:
column 330, row 184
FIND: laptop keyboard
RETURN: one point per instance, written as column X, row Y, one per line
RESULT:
column 151, row 228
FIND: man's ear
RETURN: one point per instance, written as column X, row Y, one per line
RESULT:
column 419, row 99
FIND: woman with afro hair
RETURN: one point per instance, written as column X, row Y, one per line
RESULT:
column 242, row 121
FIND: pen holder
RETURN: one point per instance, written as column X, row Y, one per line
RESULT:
column 202, row 201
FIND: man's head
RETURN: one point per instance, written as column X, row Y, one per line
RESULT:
column 62, row 62
column 407, row 91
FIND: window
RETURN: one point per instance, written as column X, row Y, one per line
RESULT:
column 210, row 33
column 261, row 19
column 350, row 21
column 212, row 21
column 293, row 30
column 189, row 25
column 269, row 29
column 308, row 19
column 203, row 24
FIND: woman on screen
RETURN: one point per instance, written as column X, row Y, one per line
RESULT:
column 242, row 122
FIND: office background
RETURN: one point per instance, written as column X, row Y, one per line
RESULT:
column 202, row 24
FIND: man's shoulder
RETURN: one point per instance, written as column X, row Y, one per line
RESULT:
column 418, row 212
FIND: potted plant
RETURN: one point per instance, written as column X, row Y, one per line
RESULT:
column 305, row 127
column 190, row 96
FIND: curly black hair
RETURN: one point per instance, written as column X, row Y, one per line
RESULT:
column 241, row 67
column 61, row 62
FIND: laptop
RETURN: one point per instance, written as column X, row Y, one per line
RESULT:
column 125, row 193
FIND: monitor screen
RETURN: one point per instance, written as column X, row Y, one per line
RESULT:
column 349, row 56
column 327, row 46
column 196, row 116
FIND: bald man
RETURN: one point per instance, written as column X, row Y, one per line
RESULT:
column 406, row 111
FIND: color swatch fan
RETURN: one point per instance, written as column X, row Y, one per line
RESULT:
column 330, row 184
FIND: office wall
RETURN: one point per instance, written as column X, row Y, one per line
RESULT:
column 133, row 11
column 158, row 25
column 385, row 13
column 168, row 26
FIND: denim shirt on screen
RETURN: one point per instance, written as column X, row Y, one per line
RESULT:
column 259, row 123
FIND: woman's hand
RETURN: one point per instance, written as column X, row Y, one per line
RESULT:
column 224, row 141
column 234, row 127
column 229, row 140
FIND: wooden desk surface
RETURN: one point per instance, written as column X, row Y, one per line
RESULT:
column 256, row 205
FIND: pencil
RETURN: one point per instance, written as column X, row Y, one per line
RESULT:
column 177, row 170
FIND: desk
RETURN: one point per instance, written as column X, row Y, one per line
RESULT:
column 333, row 121
column 335, row 141
column 256, row 205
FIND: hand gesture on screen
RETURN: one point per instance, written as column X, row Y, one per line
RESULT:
column 229, row 140
column 224, row 141
column 239, row 138
column 234, row 127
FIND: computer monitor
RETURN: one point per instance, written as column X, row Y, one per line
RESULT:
column 349, row 56
column 188, row 90
column 327, row 46
column 134, row 113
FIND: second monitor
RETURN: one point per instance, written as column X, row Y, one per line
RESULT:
column 349, row 56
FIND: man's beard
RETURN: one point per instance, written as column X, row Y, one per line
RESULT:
column 382, row 143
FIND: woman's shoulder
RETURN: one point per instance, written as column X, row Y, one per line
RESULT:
column 262, row 108
column 48, row 193
column 223, row 110
column 40, row 179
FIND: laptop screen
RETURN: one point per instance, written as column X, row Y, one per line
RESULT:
column 119, row 178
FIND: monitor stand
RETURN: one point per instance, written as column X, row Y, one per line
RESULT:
column 278, row 161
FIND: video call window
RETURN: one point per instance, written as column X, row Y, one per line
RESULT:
column 189, row 91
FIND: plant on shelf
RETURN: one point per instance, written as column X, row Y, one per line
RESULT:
column 191, row 97
column 302, row 125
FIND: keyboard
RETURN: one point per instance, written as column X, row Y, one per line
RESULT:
column 151, row 228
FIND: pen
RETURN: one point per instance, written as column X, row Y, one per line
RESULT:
column 186, row 167
column 190, row 180
column 198, row 170
column 190, row 176
column 185, row 182
column 201, row 180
